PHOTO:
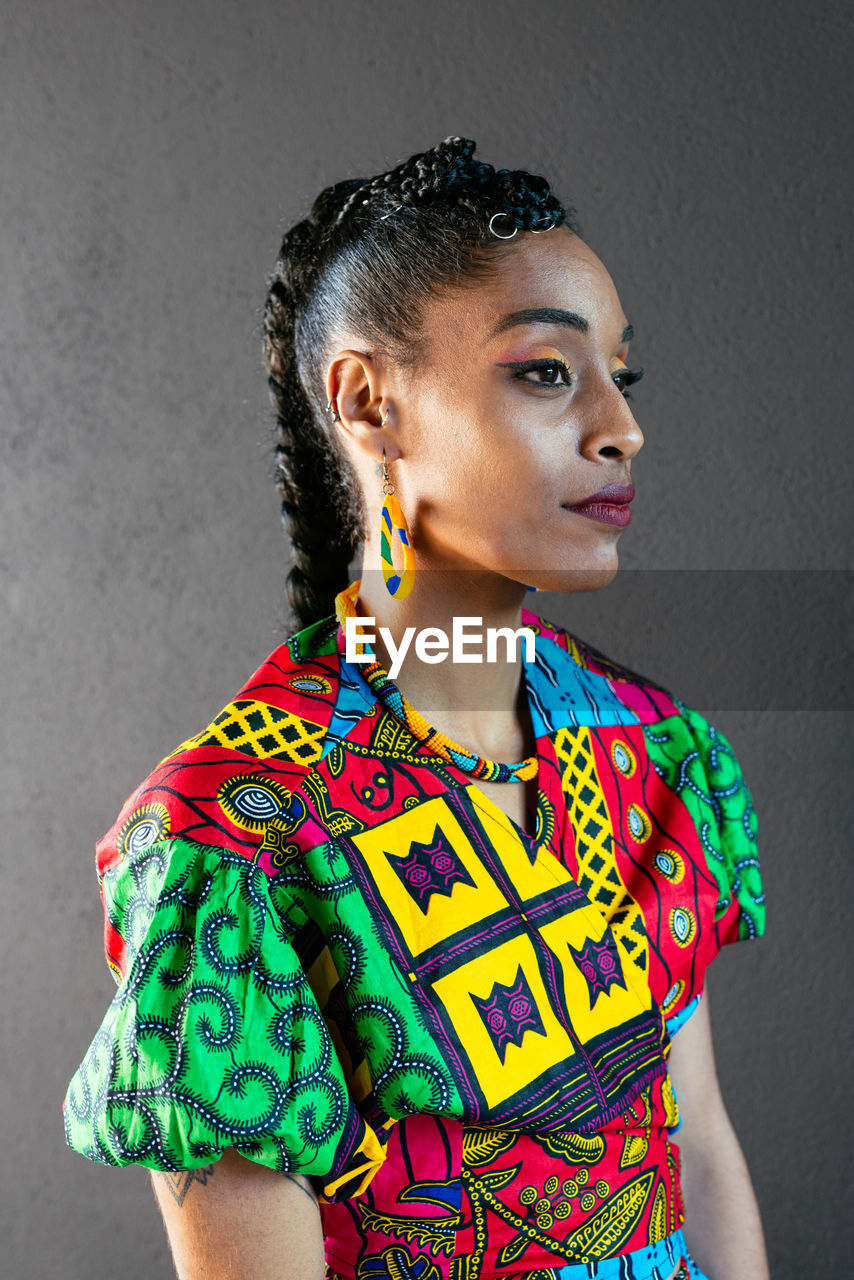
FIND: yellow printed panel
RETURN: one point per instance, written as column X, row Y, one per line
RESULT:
column 445, row 914
column 501, row 1076
column 612, row 1006
column 528, row 881
column 598, row 873
column 261, row 732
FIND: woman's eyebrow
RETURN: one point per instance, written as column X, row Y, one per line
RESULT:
column 549, row 315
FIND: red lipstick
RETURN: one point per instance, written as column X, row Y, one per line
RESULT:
column 610, row 505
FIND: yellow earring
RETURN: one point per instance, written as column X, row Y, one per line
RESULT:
column 393, row 521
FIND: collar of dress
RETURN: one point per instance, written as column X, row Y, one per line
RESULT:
column 563, row 690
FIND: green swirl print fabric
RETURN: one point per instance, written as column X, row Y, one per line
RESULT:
column 214, row 1038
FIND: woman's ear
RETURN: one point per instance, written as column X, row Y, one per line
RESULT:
column 354, row 386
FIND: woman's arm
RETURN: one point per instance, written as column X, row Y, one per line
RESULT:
column 722, row 1225
column 239, row 1220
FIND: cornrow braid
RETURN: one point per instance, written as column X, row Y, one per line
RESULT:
column 367, row 259
column 449, row 174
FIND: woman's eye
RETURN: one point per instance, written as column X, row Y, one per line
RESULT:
column 551, row 370
column 624, row 378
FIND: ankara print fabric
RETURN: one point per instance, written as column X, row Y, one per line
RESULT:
column 214, row 1037
column 327, row 939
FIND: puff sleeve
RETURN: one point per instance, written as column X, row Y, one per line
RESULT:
column 726, row 822
column 698, row 764
column 214, row 1038
column 705, row 889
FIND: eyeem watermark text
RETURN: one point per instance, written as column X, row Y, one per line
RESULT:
column 432, row 643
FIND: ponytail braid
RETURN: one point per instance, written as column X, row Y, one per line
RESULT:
column 317, row 494
column 367, row 260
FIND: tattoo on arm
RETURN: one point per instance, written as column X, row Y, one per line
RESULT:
column 305, row 1187
column 179, row 1183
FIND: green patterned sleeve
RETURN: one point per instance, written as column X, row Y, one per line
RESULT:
column 214, row 1038
column 726, row 821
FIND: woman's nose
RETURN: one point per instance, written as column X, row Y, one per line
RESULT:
column 609, row 426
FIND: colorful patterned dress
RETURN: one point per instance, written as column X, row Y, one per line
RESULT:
column 335, row 953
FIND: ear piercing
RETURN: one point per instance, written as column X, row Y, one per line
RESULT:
column 332, row 408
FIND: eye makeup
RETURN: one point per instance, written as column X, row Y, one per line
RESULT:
column 548, row 359
column 543, row 359
column 520, row 356
column 625, row 378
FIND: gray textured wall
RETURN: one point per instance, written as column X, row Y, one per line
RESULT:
column 151, row 154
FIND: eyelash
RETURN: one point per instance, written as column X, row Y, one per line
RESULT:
column 628, row 376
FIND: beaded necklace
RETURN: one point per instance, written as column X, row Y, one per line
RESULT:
column 386, row 691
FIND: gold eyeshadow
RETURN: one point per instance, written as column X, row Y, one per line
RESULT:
column 546, row 353
column 537, row 353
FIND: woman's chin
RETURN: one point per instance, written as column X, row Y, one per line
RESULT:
column 560, row 581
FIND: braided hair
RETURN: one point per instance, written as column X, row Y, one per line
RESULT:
column 367, row 259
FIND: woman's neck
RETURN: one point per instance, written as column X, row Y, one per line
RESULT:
column 480, row 704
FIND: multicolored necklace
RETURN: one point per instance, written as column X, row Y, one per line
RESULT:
column 386, row 691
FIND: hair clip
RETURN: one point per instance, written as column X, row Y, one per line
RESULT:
column 383, row 216
column 501, row 214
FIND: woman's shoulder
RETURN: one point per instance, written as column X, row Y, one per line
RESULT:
column 207, row 952
column 222, row 785
column 611, row 687
column 668, row 769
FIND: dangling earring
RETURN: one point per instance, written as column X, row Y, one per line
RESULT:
column 393, row 520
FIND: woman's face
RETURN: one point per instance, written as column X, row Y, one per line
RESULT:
column 512, row 419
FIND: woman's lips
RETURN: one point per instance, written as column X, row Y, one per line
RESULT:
column 609, row 505
column 607, row 512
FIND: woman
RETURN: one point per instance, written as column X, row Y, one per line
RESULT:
column 428, row 935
